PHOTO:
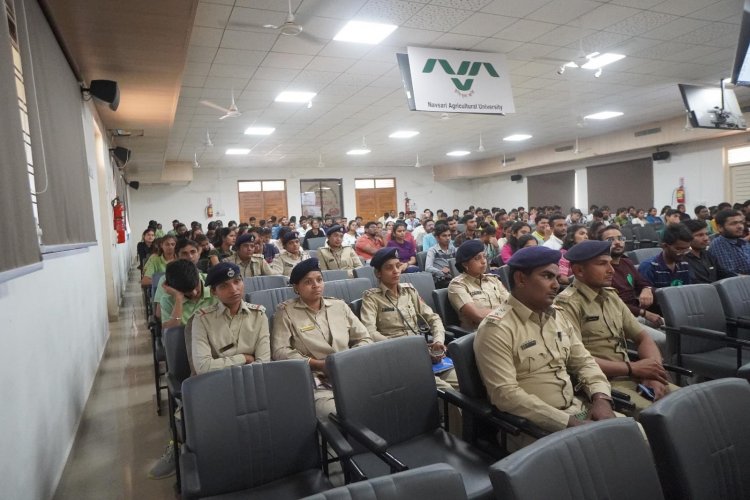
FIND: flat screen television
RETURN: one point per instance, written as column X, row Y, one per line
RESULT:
column 712, row 107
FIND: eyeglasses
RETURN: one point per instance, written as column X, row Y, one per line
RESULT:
column 616, row 238
column 684, row 251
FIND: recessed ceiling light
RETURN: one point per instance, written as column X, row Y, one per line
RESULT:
column 458, row 152
column 403, row 134
column 362, row 151
column 601, row 60
column 362, row 32
column 294, row 96
column 603, row 115
column 238, row 151
column 517, row 137
column 259, row 130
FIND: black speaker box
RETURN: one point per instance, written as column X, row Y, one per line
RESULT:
column 134, row 184
column 122, row 155
column 107, row 91
column 660, row 155
column 516, row 177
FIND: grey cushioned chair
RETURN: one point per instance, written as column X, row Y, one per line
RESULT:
column 735, row 299
column 386, row 401
column 251, row 433
column 606, row 459
column 647, row 236
column 154, row 326
column 178, row 370
column 696, row 331
column 335, row 274
column 424, row 284
column 449, row 315
column 431, row 482
column 315, row 243
column 640, row 254
column 452, row 264
column 701, row 440
column 503, row 272
column 347, row 290
column 264, row 283
column 368, row 272
column 421, row 260
column 270, row 299
column 313, row 254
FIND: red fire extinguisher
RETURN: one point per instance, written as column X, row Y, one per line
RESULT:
column 209, row 209
column 118, row 208
column 680, row 192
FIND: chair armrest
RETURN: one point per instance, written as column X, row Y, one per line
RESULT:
column 623, row 404
column 620, row 395
column 633, row 355
column 189, row 480
column 523, row 424
column 334, row 437
column 360, row 433
column 481, row 409
column 457, row 331
column 174, row 386
column 740, row 321
column 705, row 333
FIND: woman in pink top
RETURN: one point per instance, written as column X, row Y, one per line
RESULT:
column 516, row 231
column 576, row 234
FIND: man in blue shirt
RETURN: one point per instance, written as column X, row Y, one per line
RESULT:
column 670, row 268
column 730, row 250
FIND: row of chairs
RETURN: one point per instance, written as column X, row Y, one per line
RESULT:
column 637, row 236
column 386, row 407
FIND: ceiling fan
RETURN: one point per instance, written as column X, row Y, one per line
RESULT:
column 208, row 142
column 231, row 112
column 290, row 27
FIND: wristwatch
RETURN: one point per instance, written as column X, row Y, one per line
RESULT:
column 601, row 395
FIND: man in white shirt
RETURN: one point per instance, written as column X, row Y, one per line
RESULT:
column 559, row 228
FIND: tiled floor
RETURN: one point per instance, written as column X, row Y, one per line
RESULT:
column 120, row 436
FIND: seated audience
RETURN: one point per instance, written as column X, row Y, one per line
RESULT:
column 145, row 246
column 157, row 263
column 470, row 233
column 437, row 257
column 335, row 256
column 559, row 230
column 542, row 232
column 350, row 237
column 427, row 239
column 730, row 250
column 185, row 294
column 517, row 230
column 576, row 233
column 247, row 258
column 223, row 243
column 407, row 252
column 703, row 266
column 669, row 268
column 290, row 256
column 370, row 242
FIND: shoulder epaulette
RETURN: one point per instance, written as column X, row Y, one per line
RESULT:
column 256, row 307
column 407, row 285
column 567, row 293
column 371, row 291
column 499, row 312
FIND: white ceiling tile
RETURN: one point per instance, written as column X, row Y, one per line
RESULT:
column 436, row 18
column 604, row 16
column 562, row 11
column 514, row 8
column 289, row 61
column 323, row 28
column 390, row 80
column 190, row 91
column 456, row 41
column 196, row 53
column 530, row 51
column 603, row 41
column 463, row 4
column 315, row 79
column 298, row 45
column 207, row 37
column 404, row 36
column 252, row 40
column 193, row 80
column 727, row 40
column 279, row 74
column 254, row 19
column 564, row 35
column 371, row 67
column 525, row 30
column 720, row 10
column 336, row 64
column 197, row 69
column 357, row 80
column 266, row 4
column 681, row 7
column 483, row 24
column 345, row 49
column 676, row 28
column 641, row 23
column 232, row 71
column 213, row 82
column 388, row 11
column 212, row 15
column 338, row 9
column 237, row 56
column 708, row 32
column 497, row 45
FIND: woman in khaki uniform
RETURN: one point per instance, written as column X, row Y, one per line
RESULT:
column 336, row 256
column 312, row 326
column 291, row 256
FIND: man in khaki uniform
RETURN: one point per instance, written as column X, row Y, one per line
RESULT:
column 604, row 323
column 231, row 332
column 246, row 256
column 312, row 326
column 395, row 310
column 526, row 353
column 474, row 294
column 335, row 256
column 291, row 256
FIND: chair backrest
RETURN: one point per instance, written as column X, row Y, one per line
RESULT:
column 424, row 284
column 249, row 425
column 734, row 294
column 641, row 254
column 503, row 272
column 313, row 254
column 270, row 299
column 421, row 260
column 692, row 305
column 356, row 306
column 347, row 290
column 388, row 387
column 176, row 353
column 423, row 483
column 443, row 307
column 334, row 274
column 366, row 272
column 647, row 234
column 264, row 283
column 154, row 283
column 575, row 463
column 461, row 352
column 315, row 243
column 701, row 441
column 627, row 231
column 461, row 228
column 452, row 264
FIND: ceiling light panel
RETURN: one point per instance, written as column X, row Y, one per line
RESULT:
column 259, row 130
column 603, row 115
column 403, row 134
column 517, row 137
column 459, row 152
column 363, row 32
column 599, row 61
column 358, row 152
column 238, row 151
column 295, row 96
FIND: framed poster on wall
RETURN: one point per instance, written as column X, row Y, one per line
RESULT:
column 321, row 197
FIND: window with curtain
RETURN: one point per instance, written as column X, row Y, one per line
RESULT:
column 321, row 197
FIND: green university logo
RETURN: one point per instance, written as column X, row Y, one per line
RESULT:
column 466, row 68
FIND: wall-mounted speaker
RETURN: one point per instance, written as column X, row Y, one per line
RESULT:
column 516, row 177
column 105, row 90
column 121, row 155
column 660, row 155
column 134, row 184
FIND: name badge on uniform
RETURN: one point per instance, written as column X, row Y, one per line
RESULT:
column 592, row 318
column 226, row 347
column 478, row 292
column 287, row 264
column 528, row 344
column 331, row 260
column 388, row 309
column 307, row 328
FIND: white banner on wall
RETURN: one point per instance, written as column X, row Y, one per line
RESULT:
column 458, row 81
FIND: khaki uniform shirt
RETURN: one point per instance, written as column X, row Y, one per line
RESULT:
column 256, row 266
column 220, row 340
column 285, row 262
column 343, row 258
column 601, row 319
column 487, row 291
column 301, row 333
column 389, row 316
column 524, row 360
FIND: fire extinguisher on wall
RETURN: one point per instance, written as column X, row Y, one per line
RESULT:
column 680, row 191
column 118, row 209
column 209, row 209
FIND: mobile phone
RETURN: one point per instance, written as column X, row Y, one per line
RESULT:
column 646, row 392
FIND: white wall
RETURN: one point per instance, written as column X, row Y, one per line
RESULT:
column 700, row 163
column 187, row 203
